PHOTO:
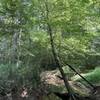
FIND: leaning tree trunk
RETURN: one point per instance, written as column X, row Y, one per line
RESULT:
column 49, row 30
column 67, row 85
column 57, row 61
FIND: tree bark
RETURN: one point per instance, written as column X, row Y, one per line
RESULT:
column 49, row 31
column 57, row 61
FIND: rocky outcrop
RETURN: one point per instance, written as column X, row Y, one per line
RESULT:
column 56, row 84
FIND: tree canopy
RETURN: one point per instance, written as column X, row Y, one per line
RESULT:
column 25, row 49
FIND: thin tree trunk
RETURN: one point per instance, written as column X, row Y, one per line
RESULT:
column 57, row 61
column 49, row 30
column 81, row 76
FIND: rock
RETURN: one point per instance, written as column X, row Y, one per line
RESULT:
column 55, row 84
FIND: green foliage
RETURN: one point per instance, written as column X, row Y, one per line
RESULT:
column 25, row 48
column 93, row 76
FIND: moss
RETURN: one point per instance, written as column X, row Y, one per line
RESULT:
column 93, row 76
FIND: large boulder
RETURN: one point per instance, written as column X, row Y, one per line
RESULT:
column 56, row 84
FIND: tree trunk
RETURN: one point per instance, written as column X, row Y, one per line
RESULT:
column 69, row 89
column 49, row 30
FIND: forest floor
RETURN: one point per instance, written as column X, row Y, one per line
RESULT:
column 54, row 84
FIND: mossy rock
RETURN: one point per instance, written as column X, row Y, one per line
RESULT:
column 55, row 84
column 76, row 87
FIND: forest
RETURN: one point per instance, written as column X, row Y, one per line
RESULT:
column 49, row 49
